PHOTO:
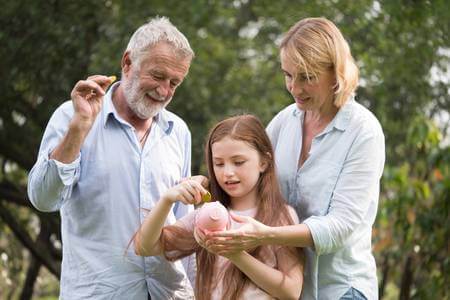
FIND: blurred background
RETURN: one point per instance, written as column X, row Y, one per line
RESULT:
column 401, row 47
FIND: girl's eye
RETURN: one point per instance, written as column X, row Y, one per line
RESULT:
column 238, row 163
column 218, row 164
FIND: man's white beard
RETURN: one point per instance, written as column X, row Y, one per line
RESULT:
column 137, row 102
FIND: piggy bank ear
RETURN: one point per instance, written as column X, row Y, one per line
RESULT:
column 229, row 221
column 195, row 218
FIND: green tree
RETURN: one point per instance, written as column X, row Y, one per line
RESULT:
column 400, row 46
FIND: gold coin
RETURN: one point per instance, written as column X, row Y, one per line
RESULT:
column 206, row 197
column 112, row 78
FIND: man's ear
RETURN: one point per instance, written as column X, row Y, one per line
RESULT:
column 126, row 62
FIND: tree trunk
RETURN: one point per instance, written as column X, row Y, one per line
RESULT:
column 407, row 279
column 384, row 278
column 39, row 248
column 32, row 274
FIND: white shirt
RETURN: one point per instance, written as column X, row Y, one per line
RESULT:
column 335, row 193
column 103, row 197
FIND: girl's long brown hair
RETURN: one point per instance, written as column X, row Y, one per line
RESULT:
column 178, row 242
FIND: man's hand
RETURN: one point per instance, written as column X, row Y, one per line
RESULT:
column 87, row 98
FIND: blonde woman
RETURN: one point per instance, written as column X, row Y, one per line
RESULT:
column 330, row 156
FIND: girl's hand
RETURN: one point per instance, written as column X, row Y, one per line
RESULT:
column 203, row 180
column 200, row 237
column 189, row 191
column 229, row 242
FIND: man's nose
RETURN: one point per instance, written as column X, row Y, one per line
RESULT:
column 163, row 89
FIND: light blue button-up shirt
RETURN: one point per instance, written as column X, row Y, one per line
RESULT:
column 103, row 197
column 335, row 193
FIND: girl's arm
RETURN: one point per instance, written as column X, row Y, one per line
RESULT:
column 283, row 283
column 146, row 240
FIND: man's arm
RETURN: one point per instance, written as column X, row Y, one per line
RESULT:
column 51, row 180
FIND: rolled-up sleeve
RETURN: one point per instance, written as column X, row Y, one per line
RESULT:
column 355, row 197
column 50, row 182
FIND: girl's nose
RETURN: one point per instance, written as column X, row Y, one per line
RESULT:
column 229, row 171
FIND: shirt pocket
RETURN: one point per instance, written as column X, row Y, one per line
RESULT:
column 315, row 188
column 91, row 192
column 169, row 166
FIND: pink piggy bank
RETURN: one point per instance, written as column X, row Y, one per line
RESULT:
column 212, row 216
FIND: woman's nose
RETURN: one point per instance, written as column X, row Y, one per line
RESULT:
column 296, row 87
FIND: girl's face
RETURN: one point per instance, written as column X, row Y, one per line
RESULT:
column 314, row 94
column 237, row 167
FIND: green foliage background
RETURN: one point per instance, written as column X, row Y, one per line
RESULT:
column 401, row 47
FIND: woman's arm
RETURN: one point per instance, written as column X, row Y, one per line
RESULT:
column 356, row 192
column 285, row 283
column 297, row 235
column 355, row 196
column 146, row 240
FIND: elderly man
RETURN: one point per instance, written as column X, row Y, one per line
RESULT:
column 105, row 159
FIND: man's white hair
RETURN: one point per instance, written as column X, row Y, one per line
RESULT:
column 158, row 29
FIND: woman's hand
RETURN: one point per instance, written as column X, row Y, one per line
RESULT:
column 250, row 235
column 201, row 238
column 188, row 191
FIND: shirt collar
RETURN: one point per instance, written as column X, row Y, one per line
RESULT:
column 340, row 121
column 162, row 119
column 342, row 118
column 108, row 107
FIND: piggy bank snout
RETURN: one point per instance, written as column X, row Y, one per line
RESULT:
column 215, row 214
column 212, row 216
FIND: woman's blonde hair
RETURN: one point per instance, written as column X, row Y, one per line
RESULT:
column 315, row 45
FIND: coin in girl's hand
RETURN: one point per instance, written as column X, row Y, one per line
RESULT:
column 206, row 197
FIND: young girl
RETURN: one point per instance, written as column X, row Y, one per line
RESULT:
column 240, row 162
